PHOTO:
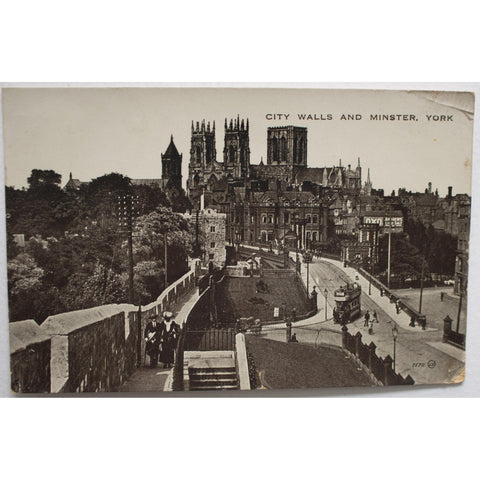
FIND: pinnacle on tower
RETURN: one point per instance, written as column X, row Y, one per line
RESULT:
column 226, row 126
column 243, row 124
column 247, row 124
column 214, row 125
column 192, row 126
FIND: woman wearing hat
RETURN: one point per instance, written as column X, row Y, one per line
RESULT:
column 170, row 336
column 153, row 337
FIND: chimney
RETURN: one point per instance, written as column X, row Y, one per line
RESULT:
column 450, row 192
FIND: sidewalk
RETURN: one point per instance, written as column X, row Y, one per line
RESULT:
column 419, row 353
column 146, row 379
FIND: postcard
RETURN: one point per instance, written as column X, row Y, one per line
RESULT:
column 208, row 239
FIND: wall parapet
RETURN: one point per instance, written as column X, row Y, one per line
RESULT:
column 92, row 350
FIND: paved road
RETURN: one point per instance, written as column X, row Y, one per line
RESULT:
column 434, row 308
column 415, row 348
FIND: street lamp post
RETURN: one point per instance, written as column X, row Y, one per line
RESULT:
column 394, row 335
column 307, row 258
column 459, row 304
column 370, row 277
column 326, row 294
column 421, row 287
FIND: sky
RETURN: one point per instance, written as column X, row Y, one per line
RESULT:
column 94, row 131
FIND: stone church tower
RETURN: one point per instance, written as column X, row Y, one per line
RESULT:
column 287, row 146
column 172, row 165
column 236, row 152
column 203, row 169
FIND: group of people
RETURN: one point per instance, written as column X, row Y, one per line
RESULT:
column 161, row 339
column 370, row 320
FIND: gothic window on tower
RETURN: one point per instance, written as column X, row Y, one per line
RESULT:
column 275, row 149
column 231, row 154
column 208, row 154
column 198, row 154
column 300, row 150
column 283, row 147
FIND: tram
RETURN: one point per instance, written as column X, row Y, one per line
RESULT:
column 347, row 299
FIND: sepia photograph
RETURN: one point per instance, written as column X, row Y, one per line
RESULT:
column 167, row 239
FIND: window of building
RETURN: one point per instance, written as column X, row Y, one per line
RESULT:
column 314, row 236
column 285, row 217
column 309, row 219
column 212, row 228
column 211, row 255
column 212, row 244
column 264, row 219
column 315, row 219
column 270, row 219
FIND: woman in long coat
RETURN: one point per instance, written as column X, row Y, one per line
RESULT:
column 170, row 337
column 153, row 336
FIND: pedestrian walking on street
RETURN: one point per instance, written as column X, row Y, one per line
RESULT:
column 442, row 295
column 397, row 306
column 375, row 318
column 370, row 328
column 367, row 319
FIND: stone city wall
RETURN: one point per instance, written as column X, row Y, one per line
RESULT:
column 91, row 350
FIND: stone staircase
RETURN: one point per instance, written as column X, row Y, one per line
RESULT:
column 213, row 370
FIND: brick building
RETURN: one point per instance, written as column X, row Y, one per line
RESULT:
column 461, row 263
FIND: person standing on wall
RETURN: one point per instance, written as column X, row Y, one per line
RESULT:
column 153, row 337
column 170, row 337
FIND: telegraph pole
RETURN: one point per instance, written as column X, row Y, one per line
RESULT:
column 166, row 272
column 127, row 211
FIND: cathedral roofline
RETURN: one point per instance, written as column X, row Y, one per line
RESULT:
column 287, row 126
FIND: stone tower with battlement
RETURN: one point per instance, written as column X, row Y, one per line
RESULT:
column 287, row 146
column 236, row 151
column 203, row 169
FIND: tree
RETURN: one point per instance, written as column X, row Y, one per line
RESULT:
column 40, row 178
column 406, row 259
column 23, row 275
column 149, row 240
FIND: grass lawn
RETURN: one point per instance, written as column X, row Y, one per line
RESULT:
column 295, row 365
column 247, row 302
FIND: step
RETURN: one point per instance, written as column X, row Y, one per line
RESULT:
column 209, row 370
column 218, row 387
column 213, row 383
column 212, row 375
